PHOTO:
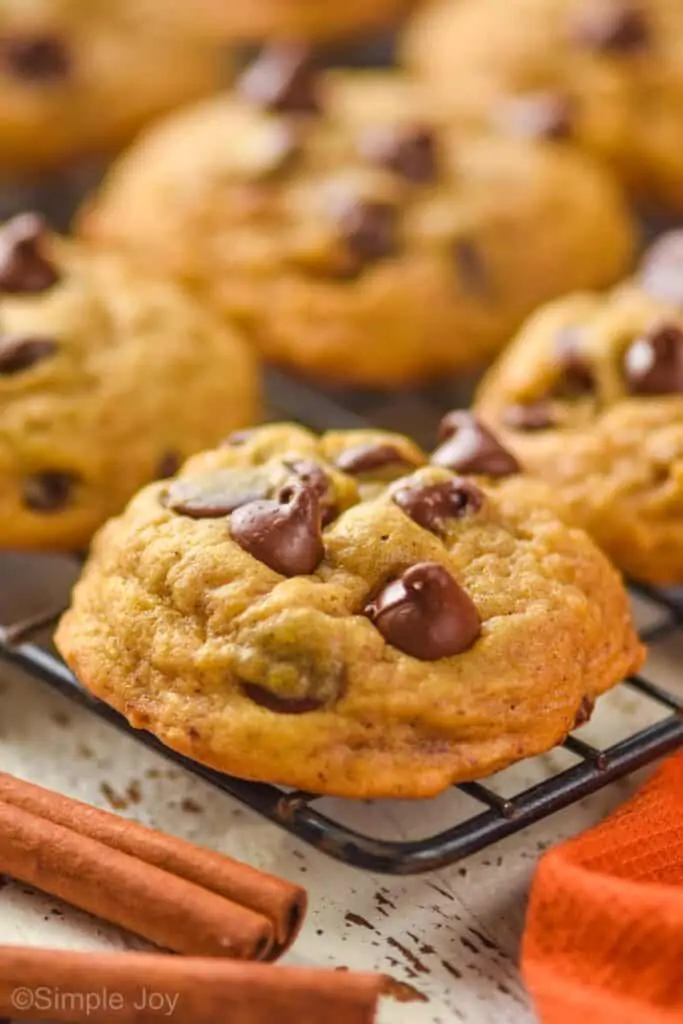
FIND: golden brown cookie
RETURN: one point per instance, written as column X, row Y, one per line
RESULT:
column 607, row 74
column 335, row 614
column 590, row 396
column 352, row 235
column 109, row 378
column 81, row 77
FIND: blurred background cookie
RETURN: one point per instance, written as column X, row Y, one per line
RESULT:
column 607, row 74
column 108, row 379
column 353, row 234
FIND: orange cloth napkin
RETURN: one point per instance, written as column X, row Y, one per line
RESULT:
column 604, row 933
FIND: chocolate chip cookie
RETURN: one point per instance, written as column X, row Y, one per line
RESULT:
column 590, row 396
column 109, row 378
column 605, row 74
column 80, row 77
column 336, row 613
column 352, row 234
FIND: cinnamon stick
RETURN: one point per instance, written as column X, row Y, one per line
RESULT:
column 155, row 904
column 132, row 988
column 283, row 903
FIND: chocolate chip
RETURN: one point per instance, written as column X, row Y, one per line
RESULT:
column 530, row 416
column 472, row 269
column 612, row 26
column 283, row 79
column 36, row 58
column 217, row 493
column 541, row 115
column 431, row 505
column 17, row 354
column 584, row 712
column 369, row 231
column 469, row 447
column 23, row 267
column 169, row 464
column 370, row 458
column 425, row 613
column 286, row 534
column 577, row 372
column 653, row 363
column 281, row 705
column 408, row 150
column 661, row 271
column 310, row 473
column 49, row 491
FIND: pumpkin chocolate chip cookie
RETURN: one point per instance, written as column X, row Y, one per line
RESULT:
column 336, row 613
column 590, row 396
column 109, row 378
column 352, row 234
column 605, row 74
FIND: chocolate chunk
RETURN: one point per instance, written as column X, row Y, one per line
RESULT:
column 653, row 363
column 431, row 505
column 40, row 59
column 370, row 458
column 281, row 705
column 283, row 79
column 286, row 534
column 369, row 231
column 17, row 354
column 612, row 26
column 470, row 447
column 23, row 266
column 49, row 491
column 577, row 371
column 472, row 269
column 169, row 464
column 661, row 271
column 540, row 115
column 530, row 416
column 408, row 150
column 310, row 473
column 425, row 613
column 217, row 493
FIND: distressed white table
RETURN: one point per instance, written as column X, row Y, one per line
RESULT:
column 452, row 935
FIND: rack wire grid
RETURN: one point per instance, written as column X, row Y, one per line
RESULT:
column 497, row 815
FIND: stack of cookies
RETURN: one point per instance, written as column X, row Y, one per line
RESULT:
column 348, row 613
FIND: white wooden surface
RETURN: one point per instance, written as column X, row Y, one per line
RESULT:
column 452, row 935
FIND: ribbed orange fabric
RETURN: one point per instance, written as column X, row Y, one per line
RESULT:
column 604, row 932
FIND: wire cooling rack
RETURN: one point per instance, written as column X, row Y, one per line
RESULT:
column 300, row 813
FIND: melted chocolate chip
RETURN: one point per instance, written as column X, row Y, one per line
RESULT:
column 18, row 354
column 283, row 79
column 577, row 371
column 408, row 150
column 661, row 271
column 531, row 416
column 469, row 447
column 653, row 364
column 432, row 505
column 281, row 705
column 23, row 267
column 169, row 464
column 472, row 269
column 425, row 613
column 217, row 493
column 369, row 231
column 286, row 535
column 310, row 473
column 541, row 115
column 49, row 491
column 40, row 59
column 371, row 458
column 612, row 26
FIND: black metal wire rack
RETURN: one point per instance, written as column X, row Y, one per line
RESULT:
column 296, row 812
